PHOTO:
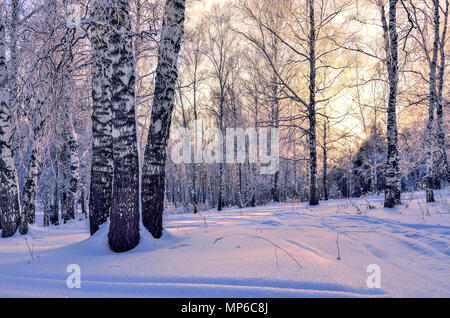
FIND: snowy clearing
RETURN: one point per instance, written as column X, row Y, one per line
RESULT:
column 234, row 254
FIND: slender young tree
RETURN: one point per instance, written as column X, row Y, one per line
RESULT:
column 440, row 92
column 393, row 182
column 303, row 30
column 102, row 167
column 124, row 216
column 220, row 54
column 54, row 209
column 325, row 161
column 73, row 171
column 431, row 107
column 194, row 60
column 313, row 191
column 13, row 63
column 9, row 196
column 153, row 171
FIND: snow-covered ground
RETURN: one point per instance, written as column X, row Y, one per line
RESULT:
column 285, row 250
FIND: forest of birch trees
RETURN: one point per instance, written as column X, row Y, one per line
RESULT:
column 93, row 94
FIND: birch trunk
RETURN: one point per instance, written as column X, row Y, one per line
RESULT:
column 189, row 168
column 275, row 120
column 240, row 195
column 432, row 102
column 63, row 178
column 254, row 178
column 29, row 194
column 440, row 91
column 46, row 205
column 30, row 187
column 325, row 163
column 29, row 190
column 13, row 63
column 195, row 186
column 220, row 200
column 153, row 172
column 393, row 182
column 9, row 197
column 73, row 173
column 124, row 216
column 313, row 192
column 220, row 197
column 102, row 168
column 54, row 214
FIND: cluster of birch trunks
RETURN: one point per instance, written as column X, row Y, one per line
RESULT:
column 281, row 65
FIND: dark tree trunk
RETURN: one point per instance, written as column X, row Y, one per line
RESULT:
column 124, row 216
column 102, row 143
column 83, row 203
column 275, row 124
column 220, row 196
column 196, row 137
column 313, row 192
column 73, row 173
column 47, row 205
column 325, row 163
column 153, row 172
column 63, row 180
column 240, row 195
column 276, row 187
column 54, row 215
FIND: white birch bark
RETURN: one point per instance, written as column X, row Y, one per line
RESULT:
column 313, row 191
column 124, row 216
column 73, row 172
column 9, row 197
column 153, row 172
column 30, row 186
column 393, row 181
column 102, row 167
column 431, row 107
column 441, row 137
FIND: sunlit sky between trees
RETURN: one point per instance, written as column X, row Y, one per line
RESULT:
column 345, row 105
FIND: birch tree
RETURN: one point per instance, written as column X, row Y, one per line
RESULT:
column 102, row 167
column 432, row 104
column 432, row 47
column 301, row 32
column 441, row 136
column 312, row 42
column 194, row 57
column 9, row 196
column 73, row 171
column 124, row 215
column 30, row 186
column 153, row 171
column 393, row 182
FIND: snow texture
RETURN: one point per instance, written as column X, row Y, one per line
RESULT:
column 233, row 254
